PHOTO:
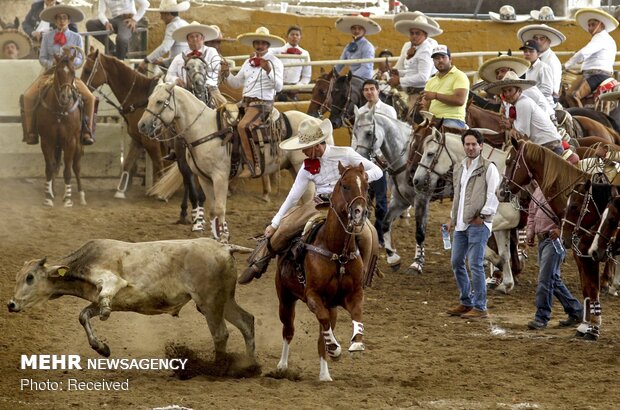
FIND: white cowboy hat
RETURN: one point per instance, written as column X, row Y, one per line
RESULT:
column 545, row 14
column 517, row 64
column 510, row 80
column 311, row 132
column 24, row 44
column 583, row 15
column 220, row 36
column 49, row 14
column 528, row 33
column 171, row 6
column 421, row 23
column 181, row 33
column 261, row 33
column 412, row 15
column 507, row 15
column 345, row 23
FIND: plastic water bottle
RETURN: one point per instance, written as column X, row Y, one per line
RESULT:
column 445, row 235
column 557, row 245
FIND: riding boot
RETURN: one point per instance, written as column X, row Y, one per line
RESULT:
column 87, row 134
column 582, row 92
column 90, row 102
column 30, row 137
column 258, row 262
column 172, row 156
column 250, row 168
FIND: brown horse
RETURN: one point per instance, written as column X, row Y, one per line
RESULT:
column 332, row 273
column 320, row 100
column 132, row 89
column 557, row 178
column 58, row 122
column 606, row 243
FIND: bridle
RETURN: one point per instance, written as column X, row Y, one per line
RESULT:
column 327, row 102
column 349, row 209
column 167, row 104
column 97, row 64
column 447, row 177
column 344, row 110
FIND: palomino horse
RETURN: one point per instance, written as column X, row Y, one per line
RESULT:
column 332, row 273
column 441, row 154
column 208, row 154
column 556, row 178
column 346, row 94
column 132, row 89
column 58, row 122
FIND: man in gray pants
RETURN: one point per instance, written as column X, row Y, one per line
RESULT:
column 125, row 16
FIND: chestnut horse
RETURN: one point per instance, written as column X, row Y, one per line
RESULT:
column 132, row 89
column 58, row 122
column 556, row 177
column 605, row 243
column 320, row 100
column 332, row 273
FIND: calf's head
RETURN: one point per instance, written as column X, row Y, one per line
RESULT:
column 34, row 284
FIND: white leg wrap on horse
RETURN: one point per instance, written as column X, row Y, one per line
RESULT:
column 418, row 260
column 358, row 329
column 48, row 189
column 82, row 198
column 324, row 375
column 198, row 219
column 330, row 339
column 283, row 364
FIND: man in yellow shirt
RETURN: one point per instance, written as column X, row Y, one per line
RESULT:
column 447, row 91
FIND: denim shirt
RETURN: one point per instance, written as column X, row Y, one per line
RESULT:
column 49, row 49
column 360, row 48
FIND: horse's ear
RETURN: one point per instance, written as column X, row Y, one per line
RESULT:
column 587, row 184
column 93, row 50
column 340, row 168
column 514, row 143
column 360, row 166
column 349, row 75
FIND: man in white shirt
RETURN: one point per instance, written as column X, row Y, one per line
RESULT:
column 321, row 168
column 539, row 71
column 546, row 37
column 261, row 77
column 377, row 189
column 597, row 57
column 299, row 75
column 168, row 13
column 415, row 65
column 124, row 16
column 527, row 117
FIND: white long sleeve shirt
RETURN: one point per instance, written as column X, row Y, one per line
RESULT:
column 534, row 122
column 327, row 177
column 295, row 75
column 120, row 7
column 540, row 100
column 542, row 74
column 211, row 57
column 598, row 54
column 548, row 57
column 416, row 71
column 491, row 204
column 169, row 45
column 380, row 108
column 256, row 82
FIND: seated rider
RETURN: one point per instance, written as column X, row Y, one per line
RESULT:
column 261, row 77
column 53, row 43
column 321, row 167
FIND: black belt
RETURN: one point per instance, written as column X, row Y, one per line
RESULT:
column 543, row 236
column 597, row 72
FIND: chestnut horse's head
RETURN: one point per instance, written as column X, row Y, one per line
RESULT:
column 605, row 242
column 320, row 100
column 64, row 80
column 93, row 72
column 348, row 199
column 517, row 174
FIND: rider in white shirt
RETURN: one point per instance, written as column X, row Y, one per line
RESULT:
column 539, row 71
column 299, row 75
column 169, row 14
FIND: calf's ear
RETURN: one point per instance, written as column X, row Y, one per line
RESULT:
column 57, row 271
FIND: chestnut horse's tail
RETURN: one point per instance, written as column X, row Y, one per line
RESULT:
column 168, row 183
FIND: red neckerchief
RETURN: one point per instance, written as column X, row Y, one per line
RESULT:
column 195, row 53
column 512, row 112
column 312, row 165
column 293, row 50
column 60, row 38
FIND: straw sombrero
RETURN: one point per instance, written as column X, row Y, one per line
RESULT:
column 517, row 64
column 171, row 6
column 311, row 132
column 545, row 14
column 22, row 40
column 220, row 36
column 421, row 23
column 344, row 24
column 507, row 15
column 583, row 15
column 528, row 33
column 181, row 33
column 510, row 80
column 412, row 15
column 49, row 14
column 261, row 33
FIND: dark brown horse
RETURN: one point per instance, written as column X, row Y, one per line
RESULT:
column 58, row 122
column 332, row 273
column 557, row 178
column 132, row 90
column 320, row 100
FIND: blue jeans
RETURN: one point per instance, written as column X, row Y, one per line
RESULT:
column 452, row 123
column 550, row 284
column 378, row 191
column 471, row 244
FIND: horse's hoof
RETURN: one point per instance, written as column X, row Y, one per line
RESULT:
column 104, row 350
column 504, row 288
column 68, row 203
column 395, row 268
column 590, row 337
column 162, row 199
column 393, row 259
column 282, row 366
column 335, row 353
column 119, row 195
column 413, row 270
column 357, row 347
column 82, row 198
column 198, row 226
column 327, row 378
column 48, row 202
column 266, row 199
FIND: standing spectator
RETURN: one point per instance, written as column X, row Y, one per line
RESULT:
column 551, row 253
column 300, row 75
column 34, row 26
column 474, row 205
column 597, row 57
column 359, row 27
column 445, row 94
column 125, row 15
column 168, row 13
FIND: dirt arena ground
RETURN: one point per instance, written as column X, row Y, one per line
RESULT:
column 416, row 356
